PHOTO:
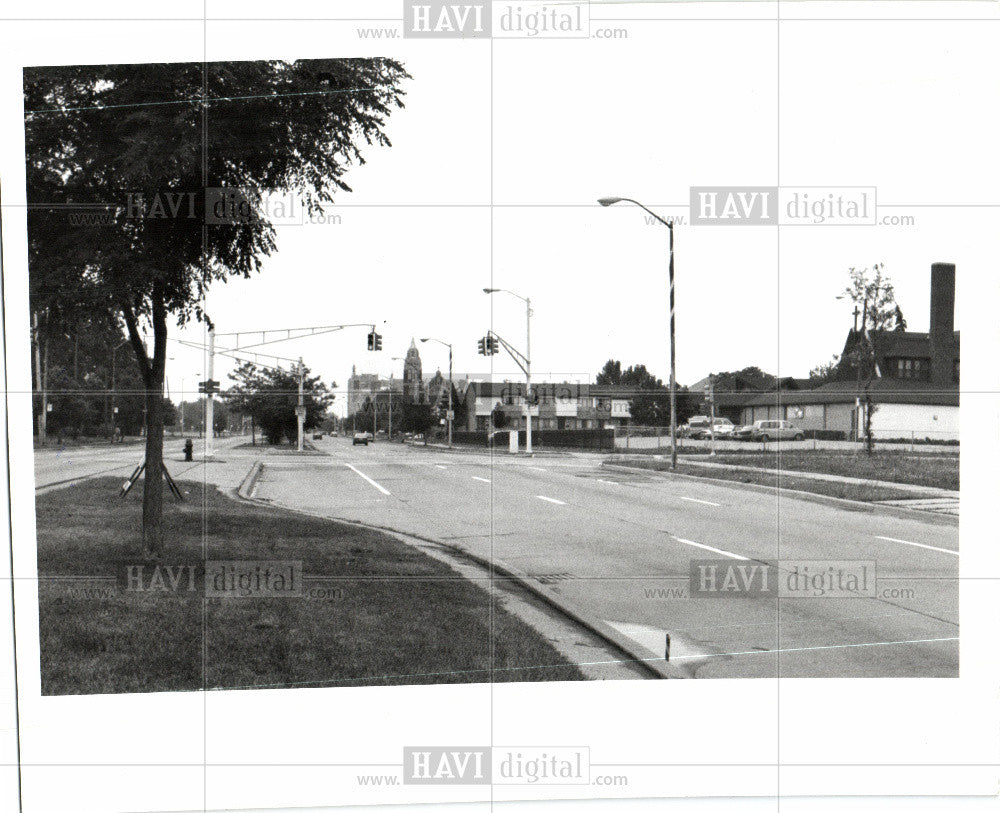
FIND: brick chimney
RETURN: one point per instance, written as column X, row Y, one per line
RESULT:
column 942, row 330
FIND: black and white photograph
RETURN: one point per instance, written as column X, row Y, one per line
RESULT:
column 500, row 406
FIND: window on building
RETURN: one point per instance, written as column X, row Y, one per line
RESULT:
column 913, row 368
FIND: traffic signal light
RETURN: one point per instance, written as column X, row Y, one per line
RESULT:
column 374, row 341
column 492, row 345
column 482, row 346
column 378, row 341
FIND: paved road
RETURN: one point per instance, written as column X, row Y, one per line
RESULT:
column 619, row 545
column 56, row 467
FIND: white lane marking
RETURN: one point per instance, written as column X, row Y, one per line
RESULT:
column 703, row 502
column 608, row 482
column 438, row 465
column 814, row 648
column 480, row 479
column 917, row 545
column 368, row 479
column 549, row 499
column 709, row 547
column 535, row 468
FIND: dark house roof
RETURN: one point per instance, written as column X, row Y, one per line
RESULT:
column 884, row 390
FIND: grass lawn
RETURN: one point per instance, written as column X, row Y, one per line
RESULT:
column 375, row 612
column 932, row 469
column 845, row 491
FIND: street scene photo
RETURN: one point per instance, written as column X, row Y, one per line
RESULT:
column 349, row 468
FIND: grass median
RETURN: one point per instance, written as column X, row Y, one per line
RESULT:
column 785, row 480
column 885, row 465
column 374, row 611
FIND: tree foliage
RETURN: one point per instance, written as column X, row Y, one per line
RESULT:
column 270, row 396
column 143, row 146
column 872, row 291
column 633, row 376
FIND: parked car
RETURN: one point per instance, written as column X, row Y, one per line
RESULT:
column 317, row 436
column 695, row 424
column 723, row 429
column 776, row 430
column 362, row 437
column 742, row 432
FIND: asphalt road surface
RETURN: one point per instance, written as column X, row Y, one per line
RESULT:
column 619, row 545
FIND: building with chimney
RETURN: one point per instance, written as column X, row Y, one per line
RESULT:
column 915, row 387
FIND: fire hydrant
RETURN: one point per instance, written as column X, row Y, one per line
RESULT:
column 188, row 450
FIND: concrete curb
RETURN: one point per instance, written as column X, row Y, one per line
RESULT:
column 657, row 667
column 806, row 496
column 245, row 489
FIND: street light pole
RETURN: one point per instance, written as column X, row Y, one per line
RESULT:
column 451, row 414
column 673, row 350
column 209, row 403
column 300, row 412
column 394, row 358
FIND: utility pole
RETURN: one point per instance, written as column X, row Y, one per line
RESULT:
column 300, row 412
column 209, row 403
column 40, row 378
column 711, row 413
column 527, row 393
column 451, row 411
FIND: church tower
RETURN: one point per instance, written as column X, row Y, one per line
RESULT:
column 413, row 382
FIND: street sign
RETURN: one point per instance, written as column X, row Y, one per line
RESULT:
column 450, row 414
column 300, row 412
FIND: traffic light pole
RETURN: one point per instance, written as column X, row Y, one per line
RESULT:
column 527, row 375
column 209, row 403
column 300, row 413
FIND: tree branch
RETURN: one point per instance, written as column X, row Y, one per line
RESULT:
column 133, row 333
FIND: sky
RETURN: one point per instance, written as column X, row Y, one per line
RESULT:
column 503, row 148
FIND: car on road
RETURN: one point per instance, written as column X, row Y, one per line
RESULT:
column 362, row 437
column 776, row 430
column 742, row 432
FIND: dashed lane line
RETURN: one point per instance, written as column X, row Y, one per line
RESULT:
column 918, row 545
column 368, row 479
column 709, row 547
column 550, row 499
column 703, row 502
column 480, row 479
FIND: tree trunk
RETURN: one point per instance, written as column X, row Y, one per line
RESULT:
column 152, row 495
column 153, row 371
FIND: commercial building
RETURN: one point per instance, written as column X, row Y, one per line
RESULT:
column 915, row 389
column 555, row 405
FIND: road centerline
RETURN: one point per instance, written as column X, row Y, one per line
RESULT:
column 368, row 479
column 703, row 502
column 709, row 547
column 917, row 545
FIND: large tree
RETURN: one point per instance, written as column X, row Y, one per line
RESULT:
column 873, row 293
column 636, row 375
column 269, row 396
column 144, row 146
